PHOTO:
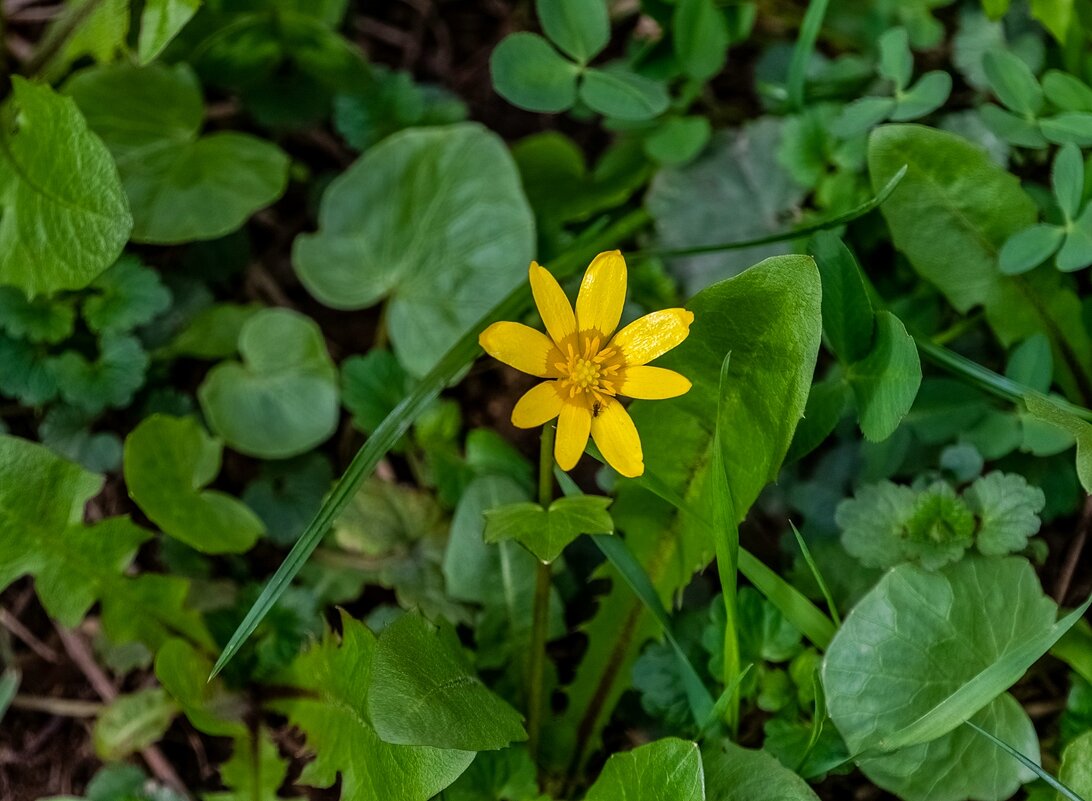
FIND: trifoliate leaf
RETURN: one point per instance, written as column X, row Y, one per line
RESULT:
column 255, row 771
column 665, row 770
column 1008, row 508
column 332, row 710
column 65, row 217
column 282, row 399
column 42, row 498
column 940, row 527
column 182, row 186
column 424, row 692
column 131, row 722
column 26, row 372
column 126, row 296
column 167, row 462
column 546, row 532
column 66, row 430
column 108, row 382
column 42, row 319
column 872, row 523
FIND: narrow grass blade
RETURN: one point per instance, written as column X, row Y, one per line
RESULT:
column 814, row 568
column 785, row 236
column 1030, row 764
column 402, row 417
column 958, row 707
column 801, row 53
column 709, row 726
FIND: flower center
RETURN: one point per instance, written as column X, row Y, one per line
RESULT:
column 589, row 370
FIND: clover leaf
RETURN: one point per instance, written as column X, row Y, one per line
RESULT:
column 282, row 398
column 1024, row 120
column 182, row 186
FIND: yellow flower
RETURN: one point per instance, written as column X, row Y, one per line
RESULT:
column 588, row 368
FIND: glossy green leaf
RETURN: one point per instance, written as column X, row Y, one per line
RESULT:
column 617, row 92
column 334, row 717
column 700, row 37
column 160, row 22
column 424, row 692
column 282, row 398
column 131, row 722
column 371, row 245
column 664, row 770
column 528, row 72
column 580, row 28
column 885, row 382
column 181, row 185
column 65, row 217
column 848, row 319
column 1027, row 249
column 546, row 532
column 168, row 461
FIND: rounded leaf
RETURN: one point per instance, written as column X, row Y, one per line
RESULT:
column 1025, row 250
column 623, row 95
column 529, row 73
column 581, row 28
column 282, row 400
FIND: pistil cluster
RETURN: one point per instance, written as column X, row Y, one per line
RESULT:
column 590, row 370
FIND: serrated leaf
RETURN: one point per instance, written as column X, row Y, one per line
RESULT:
column 1008, row 509
column 41, row 319
column 546, row 532
column 182, row 186
column 665, row 770
column 424, row 692
column 370, row 244
column 281, row 400
column 131, row 722
column 27, row 372
column 126, row 296
column 168, row 460
column 333, row 714
column 65, row 217
column 872, row 522
column 108, row 382
column 886, row 381
column 255, row 771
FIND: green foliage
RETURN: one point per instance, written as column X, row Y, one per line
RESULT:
column 132, row 722
column 370, row 245
column 1076, row 770
column 666, row 770
column 59, row 189
column 546, row 532
column 738, row 774
column 282, row 399
column 168, row 461
column 182, row 186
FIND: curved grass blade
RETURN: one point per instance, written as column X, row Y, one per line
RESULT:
column 801, row 52
column 1030, row 764
column 814, row 568
column 785, row 236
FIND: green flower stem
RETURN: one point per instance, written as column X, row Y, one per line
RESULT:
column 541, row 615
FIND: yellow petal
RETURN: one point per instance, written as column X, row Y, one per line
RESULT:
column 652, row 383
column 653, row 335
column 552, row 304
column 602, row 295
column 573, row 427
column 539, row 405
column 617, row 439
column 522, row 347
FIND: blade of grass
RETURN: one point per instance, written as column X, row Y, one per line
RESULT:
column 615, row 550
column 814, row 568
column 958, row 707
column 1030, row 764
column 716, row 715
column 726, row 543
column 784, row 236
column 801, row 52
column 397, row 423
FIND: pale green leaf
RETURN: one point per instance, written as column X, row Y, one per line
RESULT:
column 885, row 382
column 371, row 243
column 160, row 22
column 168, row 461
column 546, row 532
column 126, row 296
column 1048, row 411
column 131, row 722
column 580, row 28
column 664, row 770
column 616, row 92
column 65, row 217
column 282, row 398
column 700, row 38
column 1008, row 510
column 528, row 72
column 1027, row 249
column 255, row 771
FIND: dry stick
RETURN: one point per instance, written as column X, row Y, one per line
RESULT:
column 1061, row 589
column 12, row 624
column 80, row 653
